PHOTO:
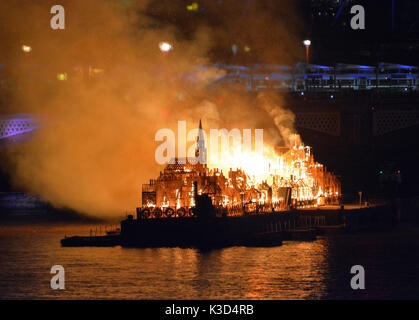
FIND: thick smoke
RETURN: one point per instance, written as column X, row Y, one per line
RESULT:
column 96, row 143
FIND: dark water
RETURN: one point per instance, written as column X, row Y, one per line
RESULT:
column 295, row 270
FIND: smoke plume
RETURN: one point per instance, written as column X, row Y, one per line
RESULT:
column 96, row 143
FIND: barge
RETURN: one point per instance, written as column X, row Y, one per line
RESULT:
column 264, row 229
column 257, row 229
column 192, row 205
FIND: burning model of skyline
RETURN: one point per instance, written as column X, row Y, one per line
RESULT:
column 274, row 180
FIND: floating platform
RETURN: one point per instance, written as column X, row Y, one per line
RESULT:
column 261, row 229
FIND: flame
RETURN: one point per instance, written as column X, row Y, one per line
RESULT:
column 273, row 180
column 289, row 167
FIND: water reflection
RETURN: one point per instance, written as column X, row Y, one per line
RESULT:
column 295, row 270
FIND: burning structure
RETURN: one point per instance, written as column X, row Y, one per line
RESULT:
column 291, row 179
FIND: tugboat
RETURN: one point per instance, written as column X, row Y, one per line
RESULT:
column 111, row 239
column 91, row 241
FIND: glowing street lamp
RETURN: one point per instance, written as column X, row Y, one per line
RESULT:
column 307, row 43
column 26, row 48
column 165, row 46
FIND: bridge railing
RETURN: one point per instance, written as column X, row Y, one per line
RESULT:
column 13, row 125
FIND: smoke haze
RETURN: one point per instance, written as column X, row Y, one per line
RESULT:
column 96, row 143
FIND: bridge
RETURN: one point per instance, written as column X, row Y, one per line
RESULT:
column 16, row 124
column 328, row 122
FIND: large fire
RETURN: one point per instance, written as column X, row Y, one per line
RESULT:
column 244, row 181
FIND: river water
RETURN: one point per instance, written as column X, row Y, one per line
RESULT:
column 296, row 270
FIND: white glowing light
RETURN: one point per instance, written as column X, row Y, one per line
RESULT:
column 165, row 46
column 307, row 43
column 26, row 48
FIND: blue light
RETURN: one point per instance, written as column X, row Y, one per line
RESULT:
column 339, row 11
column 15, row 124
column 365, row 67
column 331, row 96
column 396, row 65
column 302, row 93
column 401, row 66
column 321, row 67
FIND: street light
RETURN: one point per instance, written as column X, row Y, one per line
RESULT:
column 26, row 48
column 307, row 43
column 165, row 46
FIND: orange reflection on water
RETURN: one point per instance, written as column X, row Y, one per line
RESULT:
column 294, row 270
